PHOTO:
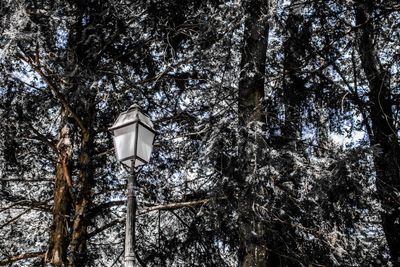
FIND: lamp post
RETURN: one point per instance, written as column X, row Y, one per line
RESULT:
column 133, row 134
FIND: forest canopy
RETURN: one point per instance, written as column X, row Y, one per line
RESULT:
column 277, row 132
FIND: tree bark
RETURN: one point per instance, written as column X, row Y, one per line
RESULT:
column 78, row 247
column 252, row 65
column 82, row 60
column 59, row 240
column 250, row 109
column 384, row 139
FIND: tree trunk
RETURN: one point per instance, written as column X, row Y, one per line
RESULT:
column 251, row 95
column 81, row 60
column 384, row 140
column 252, row 65
column 78, row 247
column 294, row 92
column 59, row 240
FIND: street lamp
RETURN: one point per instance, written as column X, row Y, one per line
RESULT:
column 133, row 141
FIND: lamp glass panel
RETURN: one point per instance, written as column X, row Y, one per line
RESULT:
column 145, row 120
column 145, row 143
column 124, row 141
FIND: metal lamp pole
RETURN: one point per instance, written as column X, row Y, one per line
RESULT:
column 133, row 135
column 130, row 220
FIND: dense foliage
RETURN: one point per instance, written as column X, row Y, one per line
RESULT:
column 278, row 132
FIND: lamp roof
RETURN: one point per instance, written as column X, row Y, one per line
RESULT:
column 130, row 116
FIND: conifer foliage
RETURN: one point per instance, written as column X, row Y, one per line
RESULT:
column 278, row 132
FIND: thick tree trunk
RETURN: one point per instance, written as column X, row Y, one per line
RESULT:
column 59, row 240
column 251, row 95
column 72, row 87
column 294, row 92
column 251, row 84
column 385, row 139
column 78, row 247
column 81, row 60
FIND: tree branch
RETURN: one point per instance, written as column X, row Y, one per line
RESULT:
column 43, row 138
column 54, row 90
column 28, row 255
column 104, row 227
column 169, row 206
column 174, row 206
column 15, row 218
column 24, row 202
column 101, row 207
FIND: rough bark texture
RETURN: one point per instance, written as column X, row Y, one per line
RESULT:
column 251, row 84
column 83, row 201
column 59, row 240
column 384, row 139
column 77, row 94
column 252, row 252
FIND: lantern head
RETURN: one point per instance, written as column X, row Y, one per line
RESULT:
column 133, row 137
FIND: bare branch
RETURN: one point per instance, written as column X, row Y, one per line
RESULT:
column 28, row 255
column 15, row 218
column 19, row 201
column 54, row 90
column 27, row 180
column 174, row 206
column 169, row 206
column 43, row 138
column 105, row 227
